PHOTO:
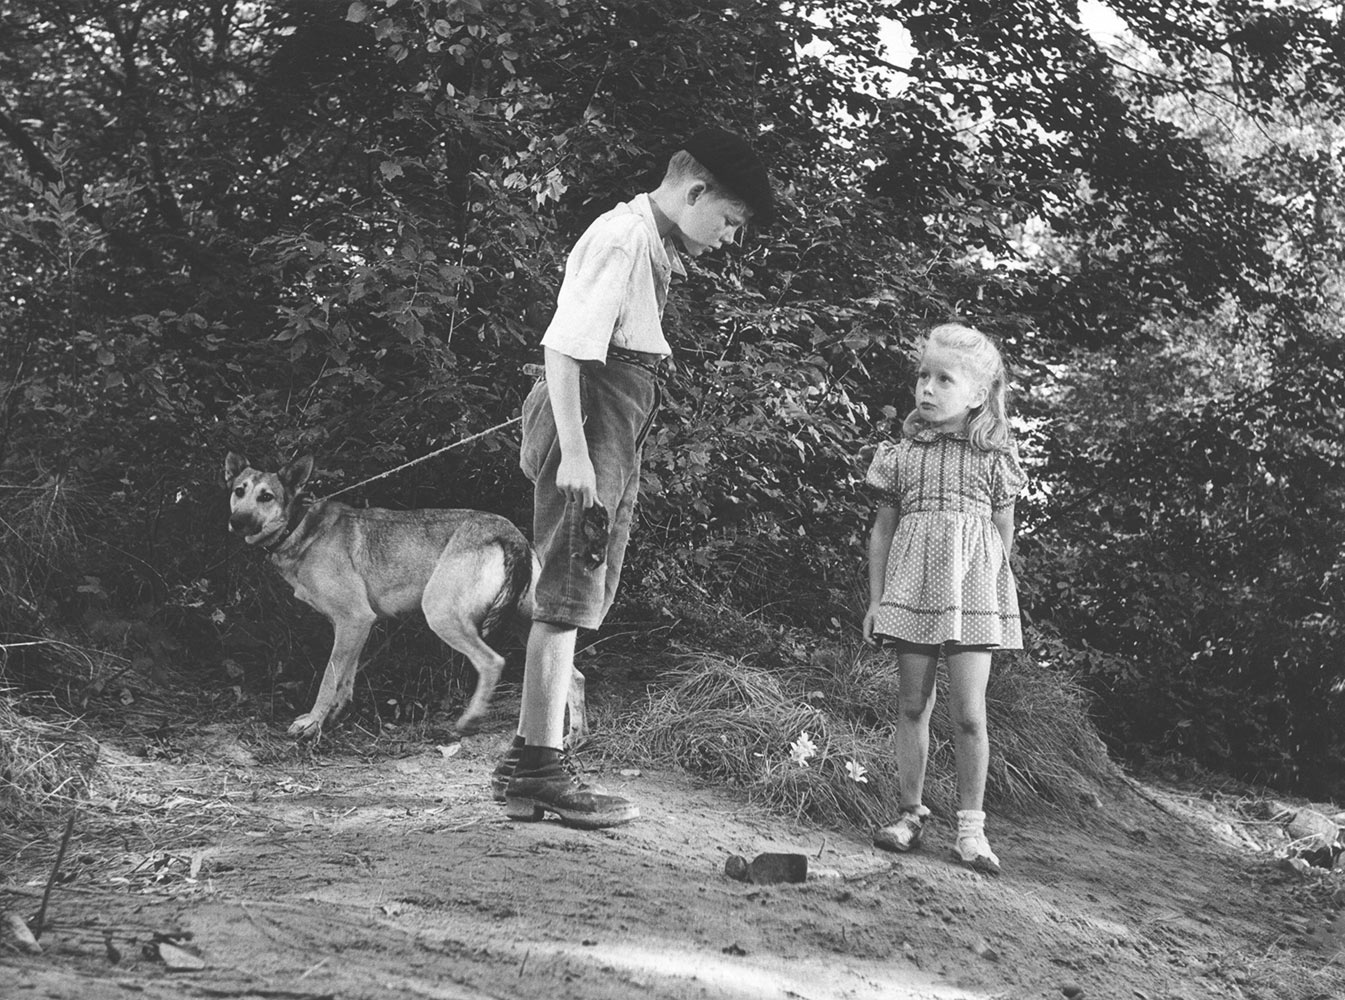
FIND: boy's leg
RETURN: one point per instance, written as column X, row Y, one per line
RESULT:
column 547, row 673
column 546, row 680
column 542, row 780
column 570, row 592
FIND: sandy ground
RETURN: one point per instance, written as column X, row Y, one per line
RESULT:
column 339, row 872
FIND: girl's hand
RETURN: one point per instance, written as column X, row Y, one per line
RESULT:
column 870, row 616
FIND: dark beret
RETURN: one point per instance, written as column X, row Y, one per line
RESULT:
column 737, row 167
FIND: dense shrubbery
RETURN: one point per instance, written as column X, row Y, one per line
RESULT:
column 304, row 226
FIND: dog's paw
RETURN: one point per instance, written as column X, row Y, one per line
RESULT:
column 575, row 739
column 305, row 726
column 467, row 725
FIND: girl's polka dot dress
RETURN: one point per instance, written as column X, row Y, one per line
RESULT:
column 947, row 575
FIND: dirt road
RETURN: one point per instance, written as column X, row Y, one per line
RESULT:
column 310, row 874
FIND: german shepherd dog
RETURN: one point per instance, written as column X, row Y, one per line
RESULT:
column 468, row 570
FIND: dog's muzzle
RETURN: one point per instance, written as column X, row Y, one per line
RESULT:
column 242, row 524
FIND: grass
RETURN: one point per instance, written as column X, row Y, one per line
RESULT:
column 46, row 769
column 733, row 719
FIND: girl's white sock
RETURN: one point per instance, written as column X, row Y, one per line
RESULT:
column 972, row 848
column 970, row 823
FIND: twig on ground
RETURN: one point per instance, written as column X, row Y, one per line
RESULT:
column 55, row 870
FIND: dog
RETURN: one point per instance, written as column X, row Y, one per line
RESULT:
column 467, row 570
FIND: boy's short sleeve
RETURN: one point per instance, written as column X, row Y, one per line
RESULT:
column 1007, row 479
column 882, row 476
column 592, row 294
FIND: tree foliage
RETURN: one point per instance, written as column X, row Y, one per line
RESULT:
column 340, row 227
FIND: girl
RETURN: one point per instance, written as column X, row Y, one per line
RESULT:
column 939, row 576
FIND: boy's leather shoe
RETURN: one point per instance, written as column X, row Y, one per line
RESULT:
column 552, row 788
column 504, row 770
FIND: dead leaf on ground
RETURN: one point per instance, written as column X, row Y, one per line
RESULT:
column 15, row 934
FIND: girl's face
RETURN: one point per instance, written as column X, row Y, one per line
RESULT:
column 946, row 390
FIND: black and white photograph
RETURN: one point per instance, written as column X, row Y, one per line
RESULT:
column 672, row 499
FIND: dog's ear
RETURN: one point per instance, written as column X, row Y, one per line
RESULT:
column 234, row 463
column 296, row 473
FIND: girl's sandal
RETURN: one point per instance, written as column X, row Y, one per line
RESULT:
column 902, row 834
column 975, row 853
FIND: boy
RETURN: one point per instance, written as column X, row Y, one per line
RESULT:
column 584, row 426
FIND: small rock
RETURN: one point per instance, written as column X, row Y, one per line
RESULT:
column 736, row 867
column 734, row 949
column 1316, row 829
column 983, row 950
column 1072, row 991
column 768, row 868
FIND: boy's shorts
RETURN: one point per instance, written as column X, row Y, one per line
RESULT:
column 619, row 401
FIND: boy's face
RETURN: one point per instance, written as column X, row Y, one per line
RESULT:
column 708, row 220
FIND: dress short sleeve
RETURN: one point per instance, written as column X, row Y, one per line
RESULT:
column 1007, row 480
column 882, row 476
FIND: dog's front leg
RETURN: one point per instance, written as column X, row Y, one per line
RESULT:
column 338, row 680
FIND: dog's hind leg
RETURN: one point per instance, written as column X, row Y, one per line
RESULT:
column 458, row 598
column 338, row 681
column 574, row 700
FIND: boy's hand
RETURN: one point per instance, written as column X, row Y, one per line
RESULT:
column 576, row 480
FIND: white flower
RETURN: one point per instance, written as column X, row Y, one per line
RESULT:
column 802, row 748
column 857, row 771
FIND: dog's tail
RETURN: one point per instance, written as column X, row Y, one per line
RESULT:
column 515, row 597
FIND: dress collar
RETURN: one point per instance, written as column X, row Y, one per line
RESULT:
column 928, row 435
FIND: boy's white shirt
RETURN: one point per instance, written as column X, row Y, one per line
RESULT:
column 615, row 286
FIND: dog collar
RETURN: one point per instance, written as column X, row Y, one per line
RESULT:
column 297, row 512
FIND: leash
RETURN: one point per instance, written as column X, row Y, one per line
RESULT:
column 423, row 458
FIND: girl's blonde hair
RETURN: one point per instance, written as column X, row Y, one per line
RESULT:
column 988, row 426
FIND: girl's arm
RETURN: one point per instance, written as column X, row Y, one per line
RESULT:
column 880, row 544
column 1003, row 521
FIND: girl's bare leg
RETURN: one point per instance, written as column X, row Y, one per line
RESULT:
column 917, row 668
column 968, row 674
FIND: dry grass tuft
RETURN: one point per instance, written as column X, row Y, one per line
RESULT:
column 45, row 769
column 735, row 720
